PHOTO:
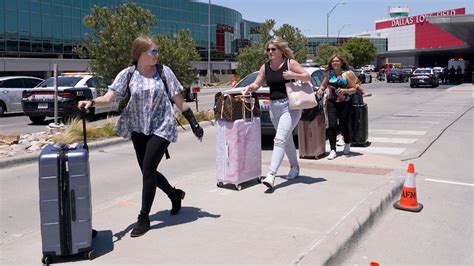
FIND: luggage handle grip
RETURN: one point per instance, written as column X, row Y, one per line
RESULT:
column 84, row 112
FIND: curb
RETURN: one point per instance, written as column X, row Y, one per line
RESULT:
column 28, row 158
column 336, row 244
column 93, row 145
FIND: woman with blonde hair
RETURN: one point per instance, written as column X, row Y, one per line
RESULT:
column 149, row 121
column 280, row 69
column 341, row 83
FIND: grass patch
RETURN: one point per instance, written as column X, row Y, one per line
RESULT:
column 73, row 131
column 207, row 115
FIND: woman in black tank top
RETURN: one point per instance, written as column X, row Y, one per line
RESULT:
column 280, row 69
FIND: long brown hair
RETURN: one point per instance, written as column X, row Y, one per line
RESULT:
column 282, row 45
column 141, row 44
column 344, row 65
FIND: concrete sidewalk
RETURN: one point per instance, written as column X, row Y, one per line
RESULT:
column 310, row 220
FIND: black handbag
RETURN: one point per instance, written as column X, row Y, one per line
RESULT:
column 311, row 113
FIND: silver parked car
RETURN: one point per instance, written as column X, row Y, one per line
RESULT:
column 11, row 89
column 263, row 94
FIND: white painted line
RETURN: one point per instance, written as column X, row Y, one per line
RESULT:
column 404, row 120
column 393, row 140
column 450, row 182
column 398, row 132
column 421, row 114
column 379, row 150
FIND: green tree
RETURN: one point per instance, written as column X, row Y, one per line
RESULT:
column 111, row 35
column 325, row 51
column 252, row 57
column 296, row 40
column 177, row 53
column 362, row 50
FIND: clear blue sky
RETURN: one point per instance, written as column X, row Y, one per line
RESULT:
column 310, row 15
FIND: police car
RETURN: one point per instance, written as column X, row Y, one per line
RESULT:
column 38, row 103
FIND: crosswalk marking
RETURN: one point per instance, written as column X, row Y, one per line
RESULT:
column 398, row 132
column 379, row 150
column 422, row 114
column 398, row 119
column 392, row 140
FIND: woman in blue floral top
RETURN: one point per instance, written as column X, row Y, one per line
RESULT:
column 341, row 83
column 149, row 121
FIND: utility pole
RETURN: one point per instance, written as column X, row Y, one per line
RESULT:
column 209, row 42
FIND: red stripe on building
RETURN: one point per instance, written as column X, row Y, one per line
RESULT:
column 429, row 36
column 405, row 21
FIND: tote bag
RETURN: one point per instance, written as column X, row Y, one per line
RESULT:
column 300, row 94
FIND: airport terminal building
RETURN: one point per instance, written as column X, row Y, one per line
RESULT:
column 35, row 34
column 425, row 40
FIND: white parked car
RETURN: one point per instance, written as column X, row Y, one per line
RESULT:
column 263, row 94
column 38, row 103
column 11, row 89
column 368, row 68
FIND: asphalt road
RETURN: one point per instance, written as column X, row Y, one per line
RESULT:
column 276, row 228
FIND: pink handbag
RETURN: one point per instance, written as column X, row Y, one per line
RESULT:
column 300, row 94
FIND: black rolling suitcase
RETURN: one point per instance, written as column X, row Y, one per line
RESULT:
column 359, row 121
column 65, row 201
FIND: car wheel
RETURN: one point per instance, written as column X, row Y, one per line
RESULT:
column 2, row 108
column 412, row 86
column 37, row 119
column 370, row 79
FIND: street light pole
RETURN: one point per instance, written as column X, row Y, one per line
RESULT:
column 209, row 42
column 329, row 14
column 339, row 31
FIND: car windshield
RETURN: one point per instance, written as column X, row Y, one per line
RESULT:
column 249, row 79
column 317, row 78
column 424, row 71
column 395, row 71
column 62, row 82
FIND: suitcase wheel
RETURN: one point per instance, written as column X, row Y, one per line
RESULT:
column 238, row 187
column 46, row 260
column 90, row 255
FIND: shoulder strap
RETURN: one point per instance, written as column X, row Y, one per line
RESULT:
column 159, row 68
column 130, row 72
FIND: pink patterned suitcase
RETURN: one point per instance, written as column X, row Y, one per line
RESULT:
column 238, row 151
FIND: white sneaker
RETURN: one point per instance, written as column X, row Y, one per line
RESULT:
column 347, row 149
column 340, row 142
column 269, row 180
column 332, row 155
column 294, row 173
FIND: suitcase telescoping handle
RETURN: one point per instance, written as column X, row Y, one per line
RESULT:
column 84, row 112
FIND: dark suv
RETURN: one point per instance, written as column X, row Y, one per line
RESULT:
column 396, row 74
column 423, row 76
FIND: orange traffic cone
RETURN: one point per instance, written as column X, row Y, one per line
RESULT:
column 408, row 200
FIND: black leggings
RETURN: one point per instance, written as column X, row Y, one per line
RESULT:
column 341, row 111
column 149, row 150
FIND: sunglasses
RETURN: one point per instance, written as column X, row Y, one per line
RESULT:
column 153, row 52
column 271, row 49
